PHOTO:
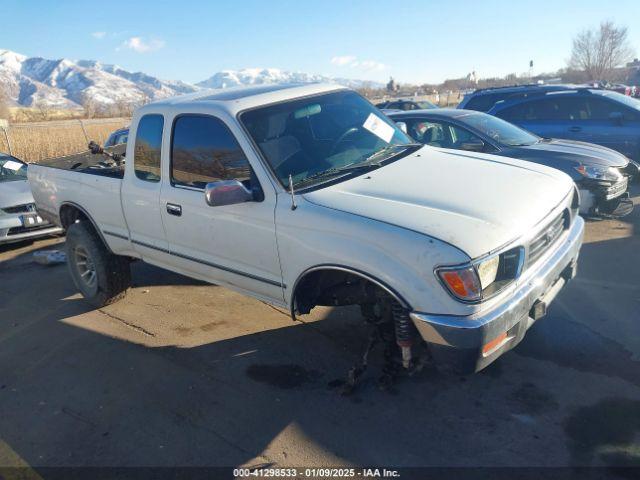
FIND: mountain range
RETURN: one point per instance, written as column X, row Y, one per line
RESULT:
column 68, row 84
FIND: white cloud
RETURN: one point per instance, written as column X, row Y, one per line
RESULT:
column 99, row 35
column 140, row 45
column 353, row 62
column 369, row 65
column 343, row 60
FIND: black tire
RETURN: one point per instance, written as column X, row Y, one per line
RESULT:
column 102, row 277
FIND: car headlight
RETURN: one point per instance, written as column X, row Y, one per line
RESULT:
column 599, row 173
column 483, row 278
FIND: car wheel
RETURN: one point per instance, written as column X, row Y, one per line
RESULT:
column 102, row 277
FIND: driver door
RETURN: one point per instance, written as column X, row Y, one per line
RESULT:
column 233, row 245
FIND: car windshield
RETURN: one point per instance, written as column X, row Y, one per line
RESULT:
column 501, row 131
column 320, row 138
column 627, row 100
column 12, row 169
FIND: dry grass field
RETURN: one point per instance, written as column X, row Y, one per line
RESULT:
column 36, row 141
column 33, row 142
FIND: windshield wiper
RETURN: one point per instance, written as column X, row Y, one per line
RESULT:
column 368, row 164
column 370, row 160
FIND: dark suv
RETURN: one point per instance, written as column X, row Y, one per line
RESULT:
column 484, row 99
column 584, row 114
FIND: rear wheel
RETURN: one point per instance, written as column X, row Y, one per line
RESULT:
column 101, row 276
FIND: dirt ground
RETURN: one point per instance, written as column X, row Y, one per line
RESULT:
column 183, row 373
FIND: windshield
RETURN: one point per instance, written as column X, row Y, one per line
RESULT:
column 323, row 136
column 12, row 169
column 627, row 100
column 501, row 131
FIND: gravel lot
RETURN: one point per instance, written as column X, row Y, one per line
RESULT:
column 190, row 374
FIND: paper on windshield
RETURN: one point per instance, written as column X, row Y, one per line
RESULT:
column 12, row 165
column 379, row 127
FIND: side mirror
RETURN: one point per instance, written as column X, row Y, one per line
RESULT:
column 226, row 192
column 402, row 126
column 616, row 117
column 475, row 145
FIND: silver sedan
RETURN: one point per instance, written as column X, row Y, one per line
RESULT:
column 19, row 219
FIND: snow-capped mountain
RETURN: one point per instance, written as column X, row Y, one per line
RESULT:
column 66, row 83
column 256, row 76
column 61, row 84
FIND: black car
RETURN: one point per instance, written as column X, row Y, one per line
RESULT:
column 406, row 105
column 601, row 174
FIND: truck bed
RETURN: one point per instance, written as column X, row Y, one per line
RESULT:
column 81, row 181
column 86, row 162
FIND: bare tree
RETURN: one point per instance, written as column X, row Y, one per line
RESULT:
column 88, row 105
column 45, row 110
column 598, row 51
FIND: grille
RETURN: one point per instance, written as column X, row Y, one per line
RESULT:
column 617, row 189
column 25, row 208
column 547, row 237
column 19, row 230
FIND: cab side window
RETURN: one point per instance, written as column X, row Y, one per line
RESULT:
column 204, row 150
column 146, row 153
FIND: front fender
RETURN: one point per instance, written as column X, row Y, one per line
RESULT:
column 400, row 260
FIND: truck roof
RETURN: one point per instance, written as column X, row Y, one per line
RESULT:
column 236, row 99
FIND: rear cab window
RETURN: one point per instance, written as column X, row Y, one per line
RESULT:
column 147, row 149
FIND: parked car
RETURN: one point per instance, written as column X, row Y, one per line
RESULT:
column 406, row 105
column 589, row 115
column 601, row 174
column 118, row 137
column 19, row 219
column 308, row 195
column 483, row 99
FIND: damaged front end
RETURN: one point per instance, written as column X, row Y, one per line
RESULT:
column 604, row 191
column 382, row 309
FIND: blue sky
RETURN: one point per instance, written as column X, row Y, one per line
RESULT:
column 415, row 41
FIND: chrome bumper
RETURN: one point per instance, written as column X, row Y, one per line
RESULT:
column 8, row 224
column 458, row 341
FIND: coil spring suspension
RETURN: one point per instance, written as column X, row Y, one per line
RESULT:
column 405, row 332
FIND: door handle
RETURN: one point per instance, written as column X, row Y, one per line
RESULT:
column 575, row 129
column 173, row 209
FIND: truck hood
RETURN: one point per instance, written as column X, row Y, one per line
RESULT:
column 14, row 193
column 476, row 202
column 578, row 152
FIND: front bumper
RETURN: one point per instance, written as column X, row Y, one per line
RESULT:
column 602, row 197
column 456, row 342
column 12, row 230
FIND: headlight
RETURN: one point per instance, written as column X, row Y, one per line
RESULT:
column 484, row 278
column 487, row 271
column 599, row 173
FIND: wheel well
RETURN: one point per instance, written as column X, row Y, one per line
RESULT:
column 70, row 214
column 338, row 286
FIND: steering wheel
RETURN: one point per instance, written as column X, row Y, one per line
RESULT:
column 343, row 138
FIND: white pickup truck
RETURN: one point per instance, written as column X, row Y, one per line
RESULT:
column 305, row 195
